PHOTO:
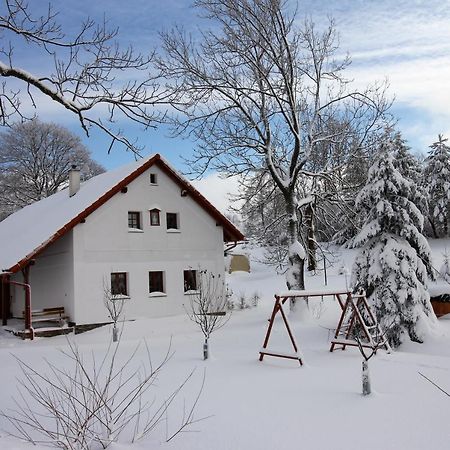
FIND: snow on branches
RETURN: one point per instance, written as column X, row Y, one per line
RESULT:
column 394, row 262
column 437, row 173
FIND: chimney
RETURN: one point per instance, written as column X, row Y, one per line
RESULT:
column 74, row 181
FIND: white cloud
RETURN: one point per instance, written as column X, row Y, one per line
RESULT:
column 218, row 190
column 407, row 42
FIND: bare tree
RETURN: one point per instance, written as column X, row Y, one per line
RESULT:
column 87, row 73
column 35, row 159
column 365, row 374
column 257, row 93
column 114, row 304
column 88, row 403
column 208, row 305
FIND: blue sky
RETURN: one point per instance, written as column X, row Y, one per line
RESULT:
column 407, row 42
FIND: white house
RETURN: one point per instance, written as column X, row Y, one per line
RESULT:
column 141, row 230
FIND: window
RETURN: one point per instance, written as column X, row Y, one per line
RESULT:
column 190, row 280
column 172, row 221
column 153, row 178
column 154, row 217
column 156, row 282
column 119, row 284
column 134, row 220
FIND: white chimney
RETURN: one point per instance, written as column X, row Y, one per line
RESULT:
column 74, row 181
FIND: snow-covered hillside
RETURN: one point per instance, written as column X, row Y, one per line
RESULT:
column 274, row 404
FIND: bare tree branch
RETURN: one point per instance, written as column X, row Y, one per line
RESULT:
column 93, row 77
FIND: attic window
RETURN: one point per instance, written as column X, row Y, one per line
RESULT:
column 172, row 221
column 134, row 220
column 153, row 178
column 154, row 217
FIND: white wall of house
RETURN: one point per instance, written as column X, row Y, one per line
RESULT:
column 51, row 279
column 104, row 244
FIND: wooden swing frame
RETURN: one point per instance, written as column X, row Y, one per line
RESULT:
column 280, row 300
column 346, row 302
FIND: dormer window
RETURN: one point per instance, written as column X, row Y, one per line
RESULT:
column 172, row 221
column 154, row 217
column 153, row 178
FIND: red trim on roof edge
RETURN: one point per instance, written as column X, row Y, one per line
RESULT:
column 230, row 232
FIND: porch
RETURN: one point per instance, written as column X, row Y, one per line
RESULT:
column 31, row 323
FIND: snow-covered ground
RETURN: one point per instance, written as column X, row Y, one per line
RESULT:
column 274, row 404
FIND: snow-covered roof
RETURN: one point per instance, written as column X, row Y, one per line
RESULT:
column 27, row 232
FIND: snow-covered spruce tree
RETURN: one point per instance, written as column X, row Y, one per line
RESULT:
column 394, row 263
column 437, row 175
column 410, row 168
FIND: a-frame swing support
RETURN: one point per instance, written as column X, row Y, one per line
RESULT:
column 357, row 311
column 278, row 308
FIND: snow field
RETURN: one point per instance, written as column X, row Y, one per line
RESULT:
column 274, row 404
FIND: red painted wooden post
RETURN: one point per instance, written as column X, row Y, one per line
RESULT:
column 26, row 280
column 4, row 299
column 271, row 321
column 279, row 301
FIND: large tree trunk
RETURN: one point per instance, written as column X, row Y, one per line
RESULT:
column 311, row 237
column 433, row 227
column 295, row 277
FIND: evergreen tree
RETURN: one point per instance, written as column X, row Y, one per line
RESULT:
column 394, row 263
column 410, row 168
column 437, row 176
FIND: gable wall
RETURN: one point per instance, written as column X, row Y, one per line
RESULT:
column 104, row 244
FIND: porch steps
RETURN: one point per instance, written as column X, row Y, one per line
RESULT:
column 42, row 332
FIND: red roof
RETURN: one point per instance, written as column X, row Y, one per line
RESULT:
column 230, row 232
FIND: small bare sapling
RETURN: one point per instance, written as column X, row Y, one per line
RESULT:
column 377, row 342
column 114, row 304
column 208, row 305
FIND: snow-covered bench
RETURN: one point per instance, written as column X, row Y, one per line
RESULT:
column 55, row 314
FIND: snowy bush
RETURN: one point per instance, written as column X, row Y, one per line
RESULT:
column 229, row 298
column 255, row 299
column 243, row 302
column 394, row 263
column 444, row 271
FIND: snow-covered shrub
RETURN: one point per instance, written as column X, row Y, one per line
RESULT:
column 444, row 271
column 255, row 299
column 243, row 302
column 394, row 262
column 230, row 305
